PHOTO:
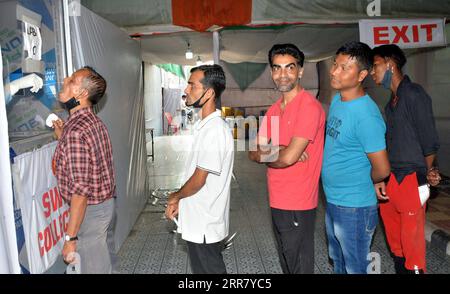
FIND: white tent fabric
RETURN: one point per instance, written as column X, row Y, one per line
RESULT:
column 247, row 45
column 100, row 44
column 153, row 101
column 343, row 11
column 320, row 26
column 9, row 256
column 140, row 16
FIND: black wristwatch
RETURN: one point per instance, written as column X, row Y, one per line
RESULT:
column 67, row 238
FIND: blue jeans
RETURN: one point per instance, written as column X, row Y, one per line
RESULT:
column 350, row 231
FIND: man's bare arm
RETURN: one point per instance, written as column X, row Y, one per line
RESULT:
column 380, row 165
column 291, row 154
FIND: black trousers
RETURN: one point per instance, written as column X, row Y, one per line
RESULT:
column 294, row 234
column 206, row 258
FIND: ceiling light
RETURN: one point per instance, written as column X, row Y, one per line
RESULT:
column 189, row 54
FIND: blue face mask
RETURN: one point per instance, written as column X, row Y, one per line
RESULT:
column 386, row 82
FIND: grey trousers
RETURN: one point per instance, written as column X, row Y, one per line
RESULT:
column 95, row 239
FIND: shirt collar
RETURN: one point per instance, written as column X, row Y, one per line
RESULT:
column 204, row 121
column 80, row 112
column 405, row 81
column 293, row 101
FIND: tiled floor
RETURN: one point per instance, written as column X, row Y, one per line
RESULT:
column 438, row 212
column 443, row 128
column 152, row 247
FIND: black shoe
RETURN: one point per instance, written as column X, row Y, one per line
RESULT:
column 415, row 272
column 399, row 265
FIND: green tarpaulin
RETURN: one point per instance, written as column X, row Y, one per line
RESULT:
column 245, row 73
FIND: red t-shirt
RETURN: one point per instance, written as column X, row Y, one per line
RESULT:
column 297, row 186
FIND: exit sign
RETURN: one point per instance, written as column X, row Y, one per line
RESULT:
column 406, row 33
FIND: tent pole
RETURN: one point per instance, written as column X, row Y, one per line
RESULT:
column 216, row 56
column 216, row 47
column 67, row 41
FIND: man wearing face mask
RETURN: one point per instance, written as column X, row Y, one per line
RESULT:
column 412, row 143
column 203, row 203
column 83, row 163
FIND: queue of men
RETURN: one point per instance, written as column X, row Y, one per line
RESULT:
column 366, row 165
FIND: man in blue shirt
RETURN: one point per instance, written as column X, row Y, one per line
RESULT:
column 355, row 158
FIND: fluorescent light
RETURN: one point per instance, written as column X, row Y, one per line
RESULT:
column 189, row 54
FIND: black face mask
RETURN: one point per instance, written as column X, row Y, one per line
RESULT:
column 196, row 104
column 71, row 103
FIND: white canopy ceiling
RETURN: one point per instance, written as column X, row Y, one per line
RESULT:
column 247, row 45
column 318, row 27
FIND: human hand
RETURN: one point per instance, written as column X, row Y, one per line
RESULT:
column 304, row 157
column 172, row 206
column 433, row 176
column 69, row 247
column 380, row 190
column 58, row 125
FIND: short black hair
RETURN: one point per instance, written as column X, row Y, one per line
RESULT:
column 95, row 84
column 214, row 77
column 360, row 51
column 289, row 49
column 393, row 52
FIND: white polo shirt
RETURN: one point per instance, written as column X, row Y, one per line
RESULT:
column 205, row 215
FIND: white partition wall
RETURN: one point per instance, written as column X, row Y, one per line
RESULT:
column 100, row 44
column 153, row 98
column 9, row 257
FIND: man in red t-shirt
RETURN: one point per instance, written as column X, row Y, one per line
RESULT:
column 290, row 141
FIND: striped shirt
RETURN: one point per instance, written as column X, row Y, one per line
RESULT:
column 84, row 160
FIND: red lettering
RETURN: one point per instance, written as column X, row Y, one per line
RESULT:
column 378, row 34
column 47, row 239
column 415, row 33
column 66, row 220
column 41, row 248
column 60, row 201
column 54, row 199
column 54, row 233
column 400, row 34
column 46, row 204
column 429, row 28
column 61, row 225
column 59, row 233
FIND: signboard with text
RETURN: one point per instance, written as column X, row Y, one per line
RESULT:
column 405, row 33
column 45, row 215
column 32, row 41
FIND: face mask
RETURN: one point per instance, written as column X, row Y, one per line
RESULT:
column 196, row 104
column 386, row 82
column 71, row 103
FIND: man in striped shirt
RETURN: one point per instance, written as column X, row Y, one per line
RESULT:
column 84, row 169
